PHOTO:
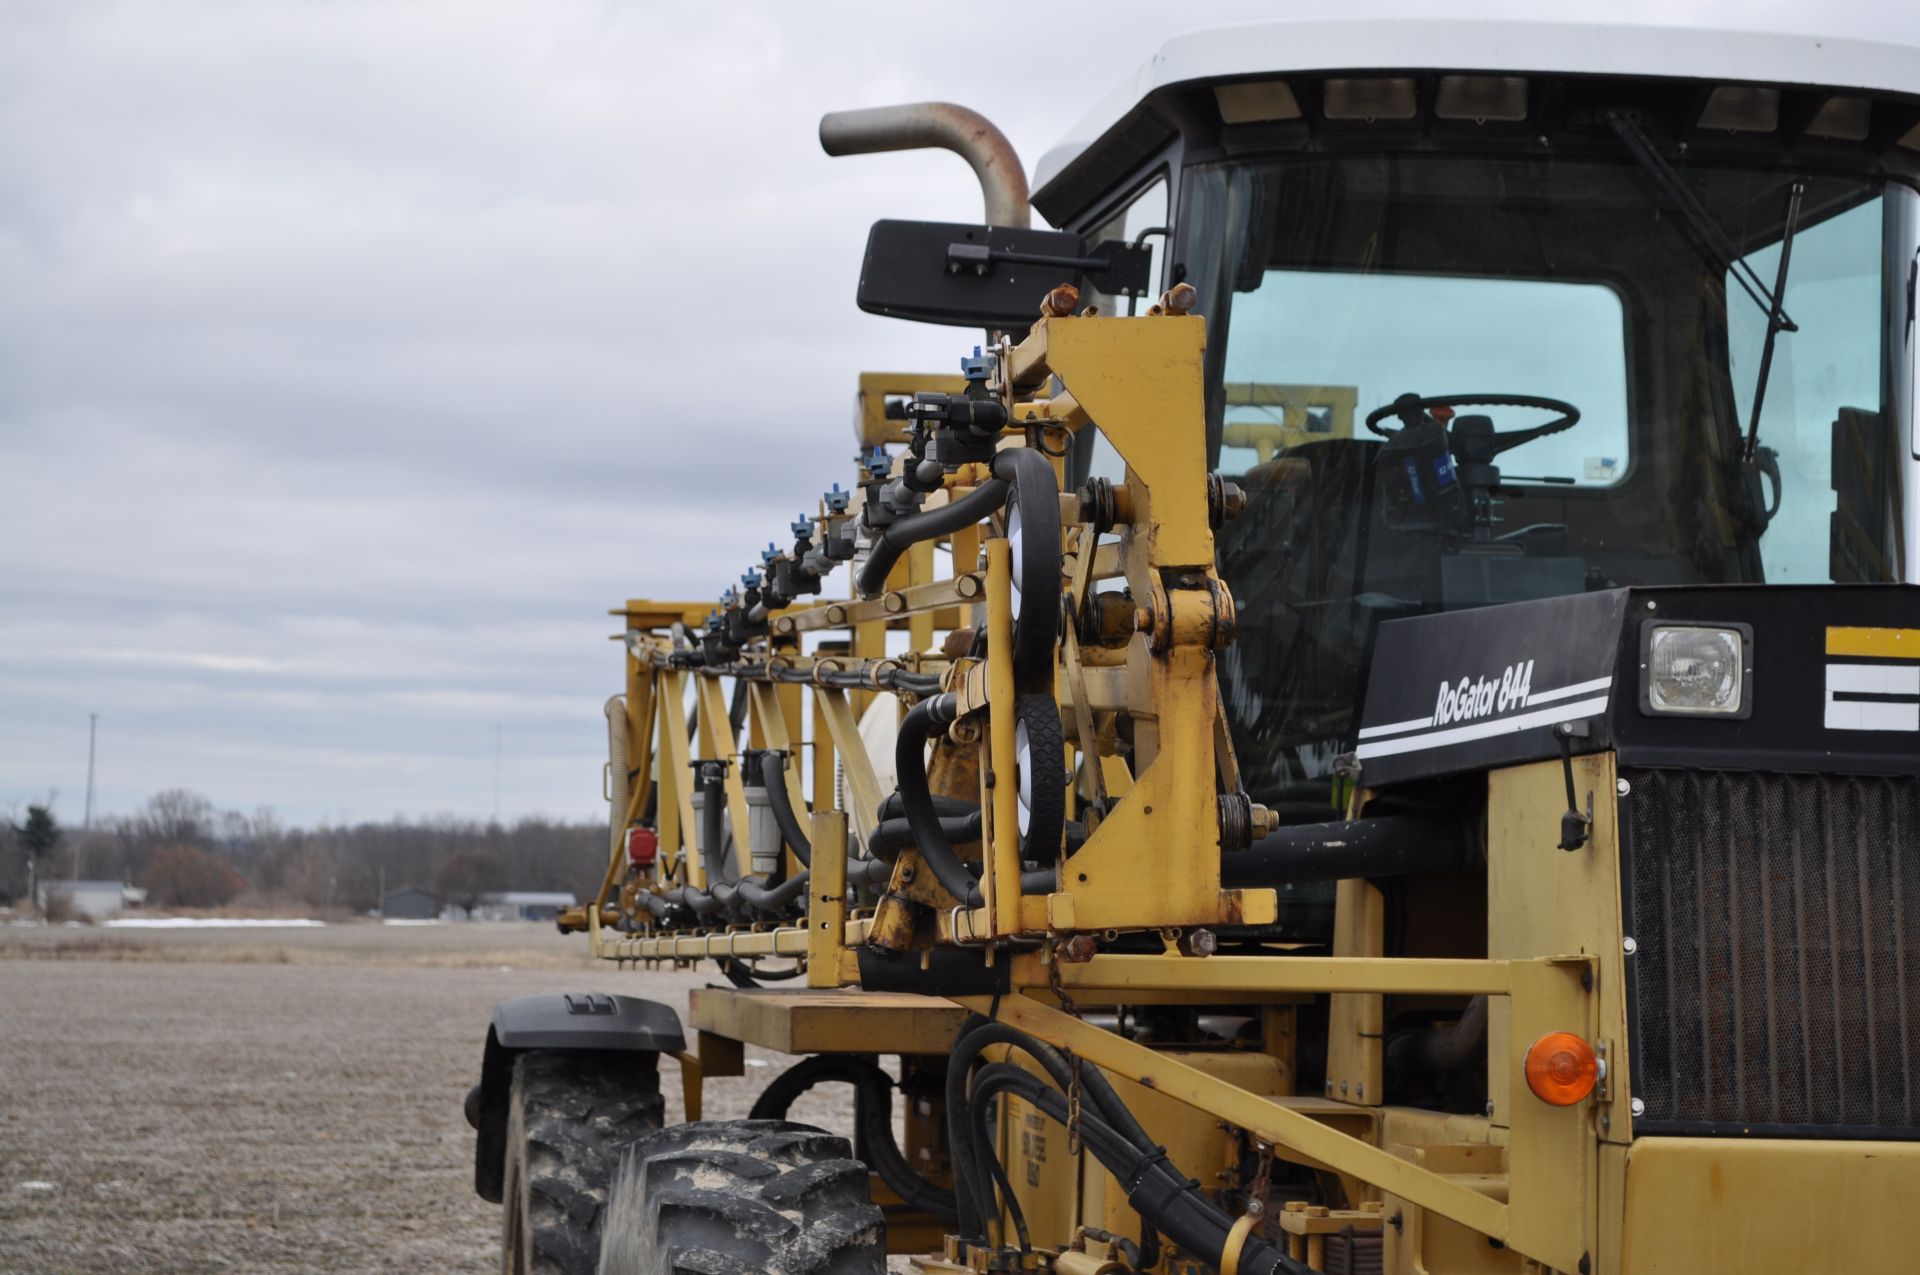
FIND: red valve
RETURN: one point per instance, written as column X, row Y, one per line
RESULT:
column 643, row 845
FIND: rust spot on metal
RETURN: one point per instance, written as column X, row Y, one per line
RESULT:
column 1059, row 303
column 1179, row 298
column 1075, row 951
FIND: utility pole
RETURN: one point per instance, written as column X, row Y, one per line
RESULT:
column 86, row 821
column 496, row 772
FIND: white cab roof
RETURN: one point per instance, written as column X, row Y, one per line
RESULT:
column 1506, row 45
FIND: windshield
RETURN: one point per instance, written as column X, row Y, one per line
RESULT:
column 1334, row 286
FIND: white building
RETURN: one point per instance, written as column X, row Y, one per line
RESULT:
column 94, row 899
column 522, row 905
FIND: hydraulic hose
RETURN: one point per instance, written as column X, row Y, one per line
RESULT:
column 764, row 898
column 713, row 850
column 916, row 728
column 894, row 835
column 1383, row 846
column 773, row 773
column 1439, row 1050
column 911, row 530
column 873, row 1114
column 703, row 904
column 1170, row 1204
column 969, row 1156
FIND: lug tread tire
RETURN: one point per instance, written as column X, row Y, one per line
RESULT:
column 742, row 1197
column 1047, row 809
column 570, row 1115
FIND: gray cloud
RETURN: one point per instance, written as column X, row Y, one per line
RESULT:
column 354, row 358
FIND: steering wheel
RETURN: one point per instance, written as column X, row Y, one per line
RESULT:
column 1412, row 410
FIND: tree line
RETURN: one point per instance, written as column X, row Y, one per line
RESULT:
column 187, row 853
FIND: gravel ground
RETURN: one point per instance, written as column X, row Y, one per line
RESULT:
column 273, row 1101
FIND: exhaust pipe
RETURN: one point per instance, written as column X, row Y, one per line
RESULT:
column 941, row 126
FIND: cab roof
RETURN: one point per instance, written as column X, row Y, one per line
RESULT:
column 1277, row 48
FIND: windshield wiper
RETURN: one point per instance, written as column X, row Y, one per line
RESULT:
column 1720, row 250
column 1777, row 321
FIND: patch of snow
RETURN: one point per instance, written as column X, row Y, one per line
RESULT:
column 397, row 920
column 211, row 923
column 37, row 1188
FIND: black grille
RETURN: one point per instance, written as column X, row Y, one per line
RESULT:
column 1777, row 976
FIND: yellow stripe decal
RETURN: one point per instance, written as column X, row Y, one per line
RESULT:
column 1886, row 643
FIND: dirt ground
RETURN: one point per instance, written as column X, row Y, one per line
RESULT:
column 277, row 1100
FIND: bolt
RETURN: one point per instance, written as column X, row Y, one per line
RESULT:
column 1059, row 303
column 1343, row 1086
column 1489, row 1108
column 1623, row 787
column 1179, row 298
column 1200, row 942
column 1628, row 945
column 1076, row 950
column 1360, row 1091
column 1638, row 1107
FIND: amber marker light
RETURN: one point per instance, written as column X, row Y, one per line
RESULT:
column 1561, row 1068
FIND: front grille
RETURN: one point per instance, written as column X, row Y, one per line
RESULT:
column 1777, row 974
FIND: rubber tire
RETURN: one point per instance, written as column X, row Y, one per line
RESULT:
column 1046, row 744
column 742, row 1197
column 1035, row 493
column 569, row 1116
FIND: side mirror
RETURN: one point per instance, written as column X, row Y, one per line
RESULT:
column 985, row 276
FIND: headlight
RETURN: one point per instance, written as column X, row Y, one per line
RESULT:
column 1696, row 668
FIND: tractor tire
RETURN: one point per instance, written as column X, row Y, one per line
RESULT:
column 742, row 1197
column 570, row 1115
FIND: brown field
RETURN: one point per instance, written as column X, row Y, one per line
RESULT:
column 272, row 1100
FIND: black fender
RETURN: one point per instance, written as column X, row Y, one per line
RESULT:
column 555, row 1020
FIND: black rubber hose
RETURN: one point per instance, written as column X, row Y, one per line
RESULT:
column 1384, row 846
column 741, row 974
column 1035, row 497
column 773, row 773
column 777, row 898
column 916, row 799
column 916, row 728
column 996, row 1171
column 912, row 683
column 713, row 837
column 1439, row 1050
column 1170, row 1203
column 872, row 873
column 873, row 1113
column 945, row 807
column 964, row 1154
column 894, row 835
column 948, row 518
column 702, row 903
column 970, row 1172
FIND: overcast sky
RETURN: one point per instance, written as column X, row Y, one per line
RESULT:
column 355, row 358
